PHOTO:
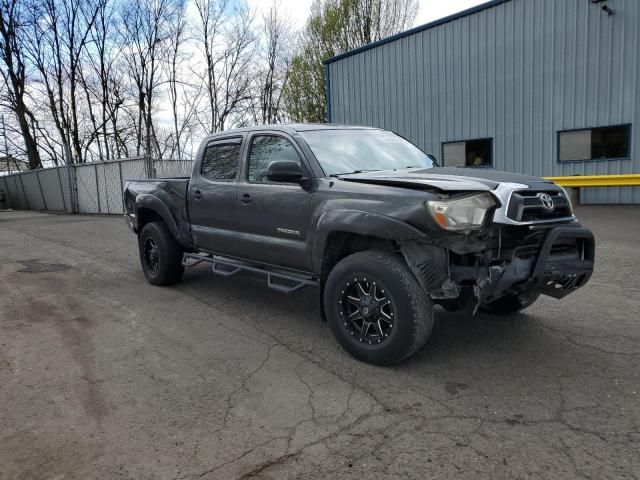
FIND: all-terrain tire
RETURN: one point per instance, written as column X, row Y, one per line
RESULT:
column 410, row 307
column 160, row 255
column 509, row 304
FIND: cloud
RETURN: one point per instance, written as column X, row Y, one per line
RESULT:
column 429, row 10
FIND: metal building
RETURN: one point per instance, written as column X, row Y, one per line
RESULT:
column 542, row 87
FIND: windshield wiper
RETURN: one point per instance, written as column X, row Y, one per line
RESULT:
column 336, row 175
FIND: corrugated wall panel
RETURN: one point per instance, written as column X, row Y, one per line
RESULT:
column 518, row 72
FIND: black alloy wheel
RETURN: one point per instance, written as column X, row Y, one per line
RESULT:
column 376, row 308
column 151, row 255
column 160, row 254
column 367, row 310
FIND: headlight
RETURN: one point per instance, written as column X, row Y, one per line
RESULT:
column 461, row 214
column 566, row 195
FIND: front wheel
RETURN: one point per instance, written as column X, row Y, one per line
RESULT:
column 160, row 255
column 376, row 308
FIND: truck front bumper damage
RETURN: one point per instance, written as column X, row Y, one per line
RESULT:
column 561, row 262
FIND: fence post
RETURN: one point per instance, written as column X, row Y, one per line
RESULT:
column 124, row 207
column 73, row 188
column 95, row 169
column 106, row 189
column 24, row 192
column 148, row 162
column 64, row 203
column 44, row 202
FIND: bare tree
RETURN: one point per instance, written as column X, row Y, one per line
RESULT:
column 148, row 26
column 14, row 77
column 226, row 42
column 277, row 41
column 176, row 58
column 60, row 32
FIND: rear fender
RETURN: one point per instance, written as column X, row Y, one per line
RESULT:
column 153, row 203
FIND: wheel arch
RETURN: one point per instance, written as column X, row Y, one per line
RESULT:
column 149, row 208
column 353, row 227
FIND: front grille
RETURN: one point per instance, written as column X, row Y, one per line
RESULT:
column 529, row 206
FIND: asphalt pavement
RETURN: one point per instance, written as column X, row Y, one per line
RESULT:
column 105, row 376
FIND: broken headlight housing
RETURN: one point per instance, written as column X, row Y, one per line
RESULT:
column 461, row 214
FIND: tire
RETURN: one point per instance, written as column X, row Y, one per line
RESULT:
column 399, row 316
column 509, row 304
column 156, row 242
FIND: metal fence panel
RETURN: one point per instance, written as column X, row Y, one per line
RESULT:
column 112, row 187
column 51, row 183
column 17, row 197
column 64, row 172
column 33, row 191
column 97, row 187
column 5, row 189
column 133, row 169
column 87, row 187
column 172, row 168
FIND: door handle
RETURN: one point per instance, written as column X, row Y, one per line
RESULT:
column 197, row 195
column 246, row 199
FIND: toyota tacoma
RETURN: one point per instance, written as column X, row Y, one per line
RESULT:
column 370, row 220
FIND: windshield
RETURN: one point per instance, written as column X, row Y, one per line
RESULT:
column 355, row 151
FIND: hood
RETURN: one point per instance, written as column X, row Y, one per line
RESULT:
column 447, row 178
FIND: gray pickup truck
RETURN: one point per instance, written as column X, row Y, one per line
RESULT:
column 369, row 219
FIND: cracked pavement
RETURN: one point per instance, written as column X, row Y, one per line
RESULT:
column 105, row 376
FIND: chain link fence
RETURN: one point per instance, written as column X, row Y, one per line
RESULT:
column 83, row 188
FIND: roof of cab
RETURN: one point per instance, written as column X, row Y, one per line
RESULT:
column 290, row 128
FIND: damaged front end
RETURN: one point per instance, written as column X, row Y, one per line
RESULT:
column 528, row 248
column 504, row 261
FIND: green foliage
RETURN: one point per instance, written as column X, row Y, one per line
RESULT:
column 333, row 27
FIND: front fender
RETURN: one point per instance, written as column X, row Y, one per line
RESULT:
column 358, row 222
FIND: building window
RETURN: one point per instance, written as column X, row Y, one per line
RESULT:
column 594, row 143
column 470, row 153
column 266, row 149
column 220, row 161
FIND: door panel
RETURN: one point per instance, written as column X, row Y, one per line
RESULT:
column 212, row 197
column 273, row 217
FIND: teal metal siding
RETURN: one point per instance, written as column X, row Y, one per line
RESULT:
column 517, row 72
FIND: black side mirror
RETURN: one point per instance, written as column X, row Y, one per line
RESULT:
column 285, row 171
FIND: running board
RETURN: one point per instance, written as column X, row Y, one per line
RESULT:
column 284, row 282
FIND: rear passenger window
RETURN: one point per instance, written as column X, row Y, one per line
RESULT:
column 266, row 149
column 220, row 161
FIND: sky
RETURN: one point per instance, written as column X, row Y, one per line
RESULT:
column 429, row 10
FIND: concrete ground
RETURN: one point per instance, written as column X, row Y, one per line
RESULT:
column 105, row 376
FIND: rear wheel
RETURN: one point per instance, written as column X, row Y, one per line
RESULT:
column 510, row 304
column 160, row 255
column 376, row 308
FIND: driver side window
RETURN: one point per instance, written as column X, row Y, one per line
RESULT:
column 266, row 149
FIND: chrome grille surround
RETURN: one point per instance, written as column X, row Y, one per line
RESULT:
column 508, row 193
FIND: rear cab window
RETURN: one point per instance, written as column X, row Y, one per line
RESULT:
column 221, row 160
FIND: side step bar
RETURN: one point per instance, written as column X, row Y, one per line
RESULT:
column 284, row 282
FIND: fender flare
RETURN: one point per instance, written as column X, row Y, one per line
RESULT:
column 358, row 222
column 151, row 202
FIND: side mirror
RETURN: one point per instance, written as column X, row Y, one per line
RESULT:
column 285, row 171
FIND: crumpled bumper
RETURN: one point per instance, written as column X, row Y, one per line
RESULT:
column 561, row 263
